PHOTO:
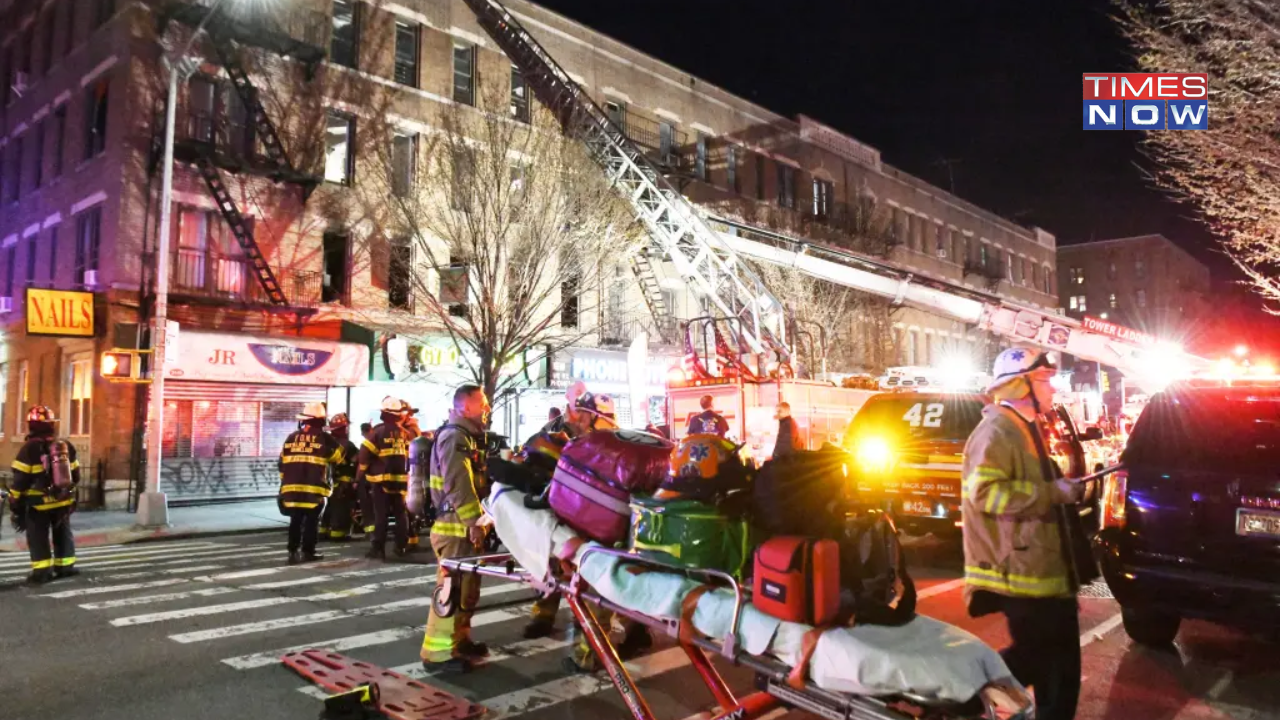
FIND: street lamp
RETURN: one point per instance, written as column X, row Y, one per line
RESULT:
column 153, row 507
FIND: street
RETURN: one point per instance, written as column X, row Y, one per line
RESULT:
column 194, row 629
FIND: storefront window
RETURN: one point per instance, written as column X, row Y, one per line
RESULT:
column 278, row 420
column 81, row 398
column 226, row 428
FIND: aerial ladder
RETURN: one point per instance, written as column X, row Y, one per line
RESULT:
column 674, row 225
column 712, row 260
column 1150, row 365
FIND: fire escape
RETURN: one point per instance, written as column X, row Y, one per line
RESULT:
column 287, row 34
column 673, row 224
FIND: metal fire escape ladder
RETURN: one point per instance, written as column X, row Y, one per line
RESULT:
column 241, row 231
column 651, row 288
column 262, row 124
column 714, row 269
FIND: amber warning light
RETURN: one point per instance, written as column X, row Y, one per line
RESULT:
column 119, row 365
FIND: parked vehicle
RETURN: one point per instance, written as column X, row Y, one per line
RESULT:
column 1191, row 524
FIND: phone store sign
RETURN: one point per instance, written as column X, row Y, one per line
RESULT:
column 604, row 370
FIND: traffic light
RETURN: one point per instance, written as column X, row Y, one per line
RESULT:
column 119, row 365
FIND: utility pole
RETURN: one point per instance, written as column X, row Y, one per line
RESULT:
column 153, row 506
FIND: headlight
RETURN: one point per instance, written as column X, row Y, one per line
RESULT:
column 874, row 455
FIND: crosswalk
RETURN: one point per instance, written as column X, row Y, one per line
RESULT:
column 206, row 595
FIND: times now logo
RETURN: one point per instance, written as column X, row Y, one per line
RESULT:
column 1146, row 101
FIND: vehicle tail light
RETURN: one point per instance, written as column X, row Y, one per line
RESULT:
column 1114, row 489
column 874, row 455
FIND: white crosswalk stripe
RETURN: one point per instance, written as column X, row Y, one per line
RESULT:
column 326, row 616
column 163, row 597
column 572, row 687
column 355, row 642
column 148, row 573
column 87, row 557
column 113, row 588
column 203, row 555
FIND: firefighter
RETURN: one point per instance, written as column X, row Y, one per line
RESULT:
column 708, row 421
column 362, row 491
column 335, row 524
column 1025, row 573
column 573, row 423
column 45, row 475
column 304, row 480
column 456, row 485
column 384, row 464
column 415, row 434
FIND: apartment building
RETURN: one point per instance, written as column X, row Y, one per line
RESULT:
column 277, row 302
column 1146, row 282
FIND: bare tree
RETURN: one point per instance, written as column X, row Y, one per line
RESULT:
column 1231, row 172
column 502, row 236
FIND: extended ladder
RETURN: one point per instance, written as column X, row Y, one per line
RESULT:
column 698, row 254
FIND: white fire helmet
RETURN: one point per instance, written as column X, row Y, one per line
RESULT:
column 393, row 405
column 1019, row 362
column 314, row 411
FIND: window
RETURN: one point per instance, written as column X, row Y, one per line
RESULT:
column 201, row 104
column 1077, row 276
column 53, row 255
column 13, row 184
column 1009, row 262
column 1035, row 276
column 939, row 241
column 10, row 265
column 103, row 10
column 617, row 113
column 336, row 254
column 59, row 134
column 95, row 120
column 1026, row 271
column 88, row 236
column 24, row 397
column 666, row 139
column 47, row 27
column 339, row 157
column 1139, row 268
column 700, row 159
column 31, row 259
column 731, row 168
column 80, row 378
column 823, row 191
column 1048, row 280
column 464, row 74
column 569, row 302
column 406, row 71
column 1142, row 298
column 37, row 178
column 404, row 156
column 69, row 25
column 400, row 275
column 984, row 256
column 1111, row 270
column 22, row 50
column 786, row 186
column 6, row 73
column 345, row 34
column 460, row 181
column 191, row 258
column 4, row 394
column 1111, row 301
column 519, row 96
column 759, row 177
column 1078, row 303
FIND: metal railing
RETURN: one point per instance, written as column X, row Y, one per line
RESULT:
column 621, row 331
column 647, row 133
column 207, row 273
column 299, row 24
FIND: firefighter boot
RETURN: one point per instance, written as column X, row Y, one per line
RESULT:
column 636, row 641
column 377, row 552
column 295, row 557
column 539, row 628
column 312, row 556
column 472, row 649
column 66, row 572
column 453, row 666
column 40, row 577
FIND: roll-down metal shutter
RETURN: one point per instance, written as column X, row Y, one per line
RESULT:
column 222, row 440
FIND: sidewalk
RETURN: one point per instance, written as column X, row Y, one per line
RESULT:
column 112, row 527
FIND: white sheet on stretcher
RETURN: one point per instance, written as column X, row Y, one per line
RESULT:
column 925, row 657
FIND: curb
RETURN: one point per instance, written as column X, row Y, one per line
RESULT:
column 133, row 536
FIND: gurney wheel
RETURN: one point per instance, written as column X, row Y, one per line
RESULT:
column 444, row 600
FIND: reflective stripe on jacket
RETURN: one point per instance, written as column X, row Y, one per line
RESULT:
column 304, row 468
column 32, row 487
column 384, row 458
column 457, row 476
column 1012, row 544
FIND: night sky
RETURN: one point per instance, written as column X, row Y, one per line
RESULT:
column 986, row 89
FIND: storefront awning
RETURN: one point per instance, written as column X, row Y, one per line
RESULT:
column 227, row 357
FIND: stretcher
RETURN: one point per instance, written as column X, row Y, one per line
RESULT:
column 709, row 613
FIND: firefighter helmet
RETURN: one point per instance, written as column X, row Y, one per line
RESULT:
column 393, row 405
column 701, row 466
column 597, row 404
column 41, row 413
column 1020, row 362
column 544, row 446
column 339, row 421
column 313, row 411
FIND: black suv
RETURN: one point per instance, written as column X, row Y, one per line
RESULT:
column 1191, row 525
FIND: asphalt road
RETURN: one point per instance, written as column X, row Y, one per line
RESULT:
column 194, row 629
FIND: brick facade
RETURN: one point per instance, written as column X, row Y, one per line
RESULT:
column 115, row 48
